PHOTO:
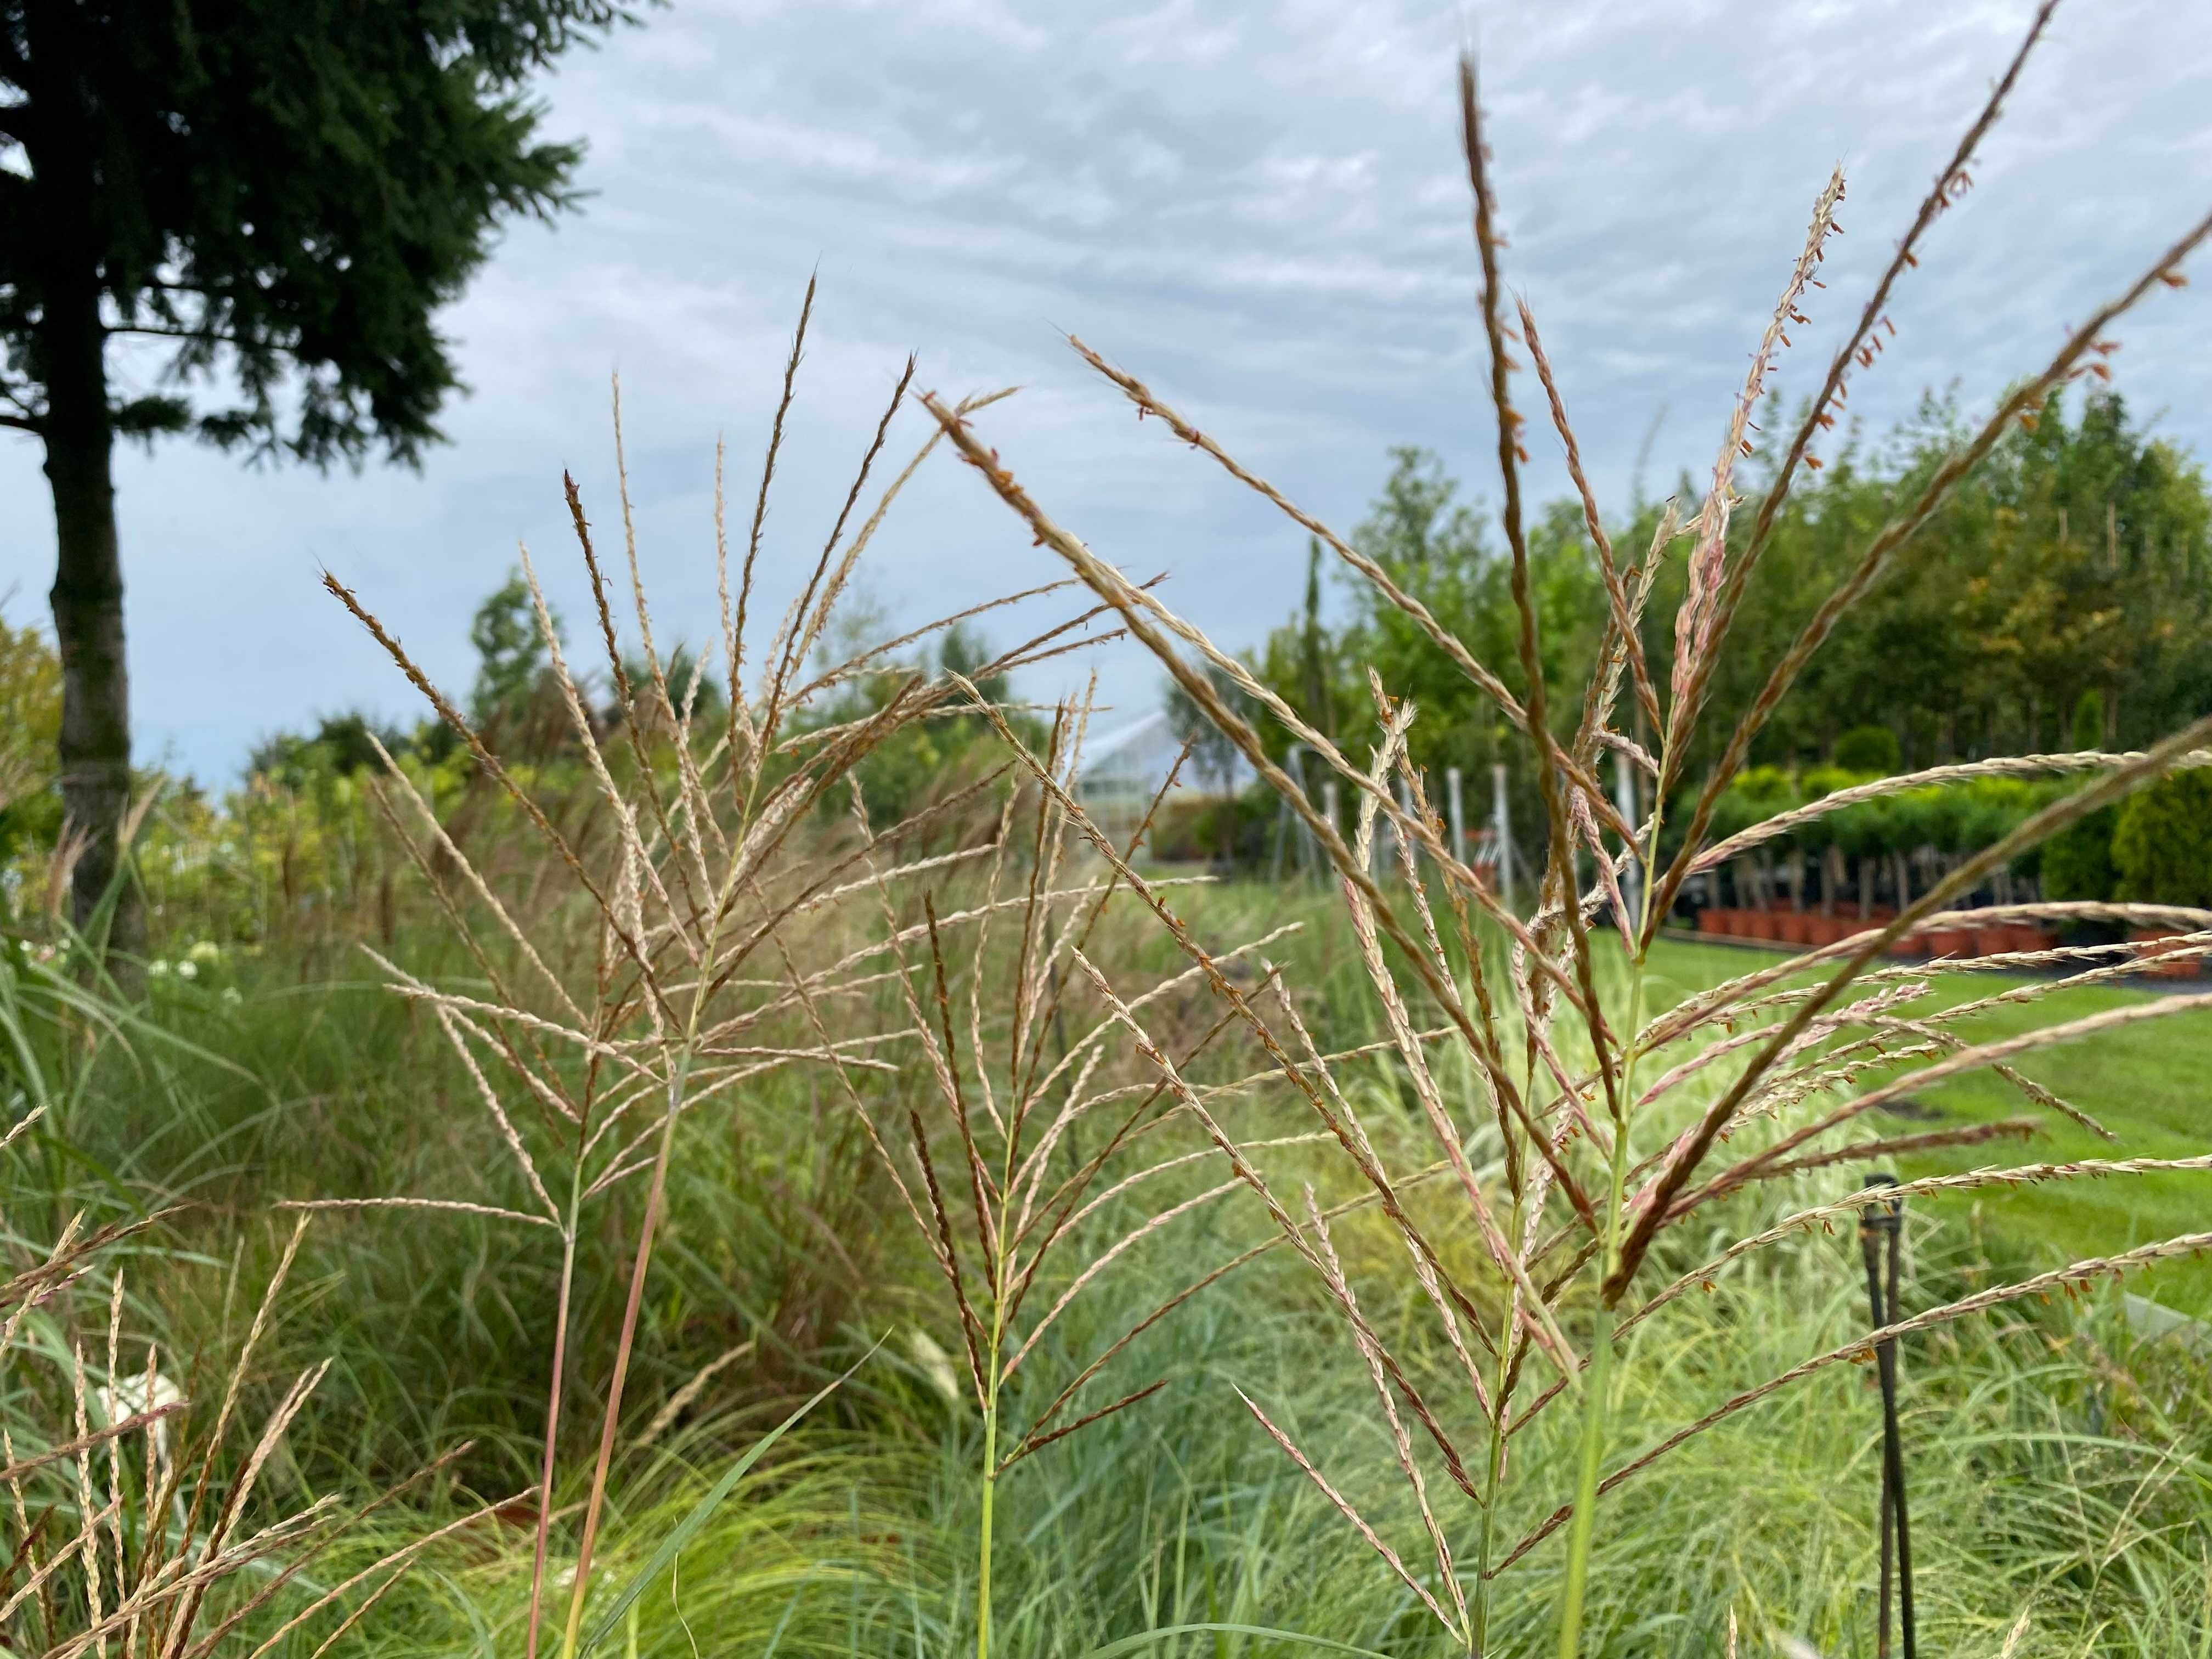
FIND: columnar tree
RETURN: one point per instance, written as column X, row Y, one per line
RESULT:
column 271, row 198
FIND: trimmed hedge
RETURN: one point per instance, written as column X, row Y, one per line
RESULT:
column 2155, row 848
column 1958, row 817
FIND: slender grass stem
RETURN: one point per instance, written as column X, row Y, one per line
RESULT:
column 1598, row 1389
column 561, row 1312
column 1001, row 1260
column 999, row 1263
column 990, row 1477
column 1494, row 1470
column 595, row 1506
column 1598, row 1385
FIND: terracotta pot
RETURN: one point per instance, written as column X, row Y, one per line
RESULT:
column 1832, row 930
column 2151, row 962
column 1795, row 927
column 2027, row 936
column 1712, row 921
column 1993, row 940
column 1950, row 942
column 1762, row 923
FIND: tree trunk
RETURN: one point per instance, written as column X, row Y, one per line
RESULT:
column 88, row 604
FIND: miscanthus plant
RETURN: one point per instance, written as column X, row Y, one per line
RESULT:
column 726, row 912
column 1577, row 1129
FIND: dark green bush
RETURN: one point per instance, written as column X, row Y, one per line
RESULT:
column 1870, row 749
column 2077, row 861
column 1235, row 830
column 2162, row 843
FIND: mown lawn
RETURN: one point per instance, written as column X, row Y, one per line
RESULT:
column 2150, row 1084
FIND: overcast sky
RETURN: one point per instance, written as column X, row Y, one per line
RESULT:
column 1257, row 207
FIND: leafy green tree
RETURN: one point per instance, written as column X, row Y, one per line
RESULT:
column 690, row 680
column 341, row 745
column 275, row 196
column 2070, row 576
column 1213, row 753
column 963, row 651
column 1311, row 666
column 2078, row 558
column 925, row 759
column 1314, row 677
column 511, row 655
column 1435, row 546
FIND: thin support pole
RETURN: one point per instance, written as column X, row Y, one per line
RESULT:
column 1457, row 806
column 1624, row 795
column 1881, row 1225
column 1406, row 848
column 1502, row 825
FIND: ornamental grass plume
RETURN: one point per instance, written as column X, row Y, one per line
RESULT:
column 728, row 908
column 1589, row 1129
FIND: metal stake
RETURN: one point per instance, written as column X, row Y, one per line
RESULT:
column 1881, row 1224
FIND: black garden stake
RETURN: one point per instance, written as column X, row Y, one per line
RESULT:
column 1880, row 1223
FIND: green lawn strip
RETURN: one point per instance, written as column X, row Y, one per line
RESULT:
column 2151, row 1084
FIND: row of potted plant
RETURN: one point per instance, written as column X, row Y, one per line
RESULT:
column 1951, row 818
column 1811, row 929
column 2154, row 849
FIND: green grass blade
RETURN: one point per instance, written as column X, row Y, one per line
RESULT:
column 1137, row 1644
column 688, row 1529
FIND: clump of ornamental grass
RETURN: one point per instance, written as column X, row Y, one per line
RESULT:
column 730, row 911
column 1050, row 1139
column 1590, row 1130
column 132, row 1513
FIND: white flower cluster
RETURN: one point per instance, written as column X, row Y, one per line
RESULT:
column 204, row 954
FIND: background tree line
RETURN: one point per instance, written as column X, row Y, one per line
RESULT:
column 301, row 834
column 2070, row 571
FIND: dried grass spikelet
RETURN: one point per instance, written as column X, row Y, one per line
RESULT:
column 1758, row 1081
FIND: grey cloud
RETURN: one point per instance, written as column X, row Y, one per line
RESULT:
column 1259, row 208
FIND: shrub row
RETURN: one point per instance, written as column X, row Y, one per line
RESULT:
column 2155, row 848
